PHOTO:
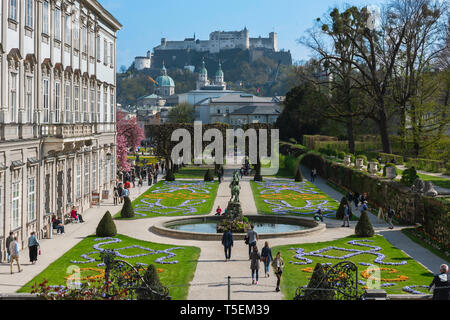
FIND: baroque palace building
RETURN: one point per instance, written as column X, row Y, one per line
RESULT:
column 57, row 111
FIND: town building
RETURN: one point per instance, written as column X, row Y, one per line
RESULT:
column 141, row 63
column 57, row 111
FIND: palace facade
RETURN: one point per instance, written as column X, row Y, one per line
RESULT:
column 57, row 111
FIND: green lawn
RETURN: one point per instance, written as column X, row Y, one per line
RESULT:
column 175, row 276
column 437, row 181
column 295, row 276
column 170, row 199
column 291, row 198
column 192, row 172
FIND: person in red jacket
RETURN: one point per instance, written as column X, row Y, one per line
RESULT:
column 74, row 214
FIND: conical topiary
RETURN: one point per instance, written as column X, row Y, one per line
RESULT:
column 258, row 176
column 364, row 227
column 106, row 227
column 318, row 281
column 209, row 177
column 152, row 280
column 170, row 176
column 298, row 176
column 340, row 213
column 127, row 209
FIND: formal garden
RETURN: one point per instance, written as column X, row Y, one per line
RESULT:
column 399, row 274
column 176, row 198
column 175, row 265
column 286, row 197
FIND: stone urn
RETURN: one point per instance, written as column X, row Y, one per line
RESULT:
column 391, row 173
column 373, row 168
column 348, row 160
column 359, row 164
column 429, row 190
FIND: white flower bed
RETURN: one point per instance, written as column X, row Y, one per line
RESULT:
column 283, row 207
column 301, row 254
column 148, row 251
column 188, row 207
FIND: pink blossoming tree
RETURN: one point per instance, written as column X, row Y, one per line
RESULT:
column 129, row 136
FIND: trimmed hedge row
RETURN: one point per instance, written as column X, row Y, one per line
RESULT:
column 427, row 165
column 433, row 214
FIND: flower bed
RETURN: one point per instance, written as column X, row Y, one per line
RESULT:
column 396, row 269
column 175, row 265
column 175, row 199
column 292, row 198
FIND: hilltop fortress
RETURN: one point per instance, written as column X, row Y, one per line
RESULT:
column 180, row 54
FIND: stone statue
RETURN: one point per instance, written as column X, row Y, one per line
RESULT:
column 235, row 187
column 418, row 186
column 429, row 190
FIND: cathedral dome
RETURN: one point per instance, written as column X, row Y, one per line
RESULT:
column 219, row 73
column 164, row 80
column 203, row 70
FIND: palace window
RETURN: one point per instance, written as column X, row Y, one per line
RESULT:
column 92, row 98
column 57, row 101
column 76, row 105
column 1, row 210
column 13, row 9
column 15, row 223
column 67, row 102
column 105, row 106
column 31, row 199
column 111, row 55
column 29, row 98
column 13, row 97
column 91, row 45
column 85, row 104
column 46, row 100
column 105, row 52
column 29, row 14
column 57, row 24
column 84, row 40
column 45, row 18
column 94, row 172
column 98, row 48
column 67, row 29
column 78, row 179
column 86, row 176
column 76, row 35
column 112, row 107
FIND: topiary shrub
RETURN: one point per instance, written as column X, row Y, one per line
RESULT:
column 341, row 155
column 409, row 176
column 170, row 177
column 318, row 281
column 364, row 227
column 209, row 177
column 151, row 279
column 298, row 176
column 389, row 165
column 127, row 209
column 258, row 176
column 340, row 212
column 106, row 227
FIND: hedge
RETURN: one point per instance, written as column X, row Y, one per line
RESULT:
column 427, row 165
column 386, row 157
column 410, row 208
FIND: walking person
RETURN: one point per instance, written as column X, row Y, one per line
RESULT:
column 33, row 246
column 312, row 176
column 346, row 217
column 116, row 196
column 255, row 258
column 150, row 180
column 380, row 215
column 133, row 179
column 14, row 249
column 8, row 242
column 356, row 199
column 120, row 192
column 441, row 284
column 266, row 258
column 278, row 266
column 252, row 236
column 391, row 214
column 140, row 183
column 227, row 242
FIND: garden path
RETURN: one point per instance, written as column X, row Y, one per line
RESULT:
column 425, row 257
column 53, row 249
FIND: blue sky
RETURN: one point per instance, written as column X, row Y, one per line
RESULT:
column 146, row 22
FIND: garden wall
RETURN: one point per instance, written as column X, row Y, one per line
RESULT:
column 410, row 208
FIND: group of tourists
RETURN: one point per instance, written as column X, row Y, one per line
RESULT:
column 255, row 256
column 13, row 250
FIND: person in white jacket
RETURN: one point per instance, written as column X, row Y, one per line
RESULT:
column 14, row 249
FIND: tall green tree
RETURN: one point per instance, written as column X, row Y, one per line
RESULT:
column 182, row 113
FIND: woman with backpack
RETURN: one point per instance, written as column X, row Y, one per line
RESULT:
column 266, row 258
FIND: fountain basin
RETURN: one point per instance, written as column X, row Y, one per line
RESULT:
column 305, row 227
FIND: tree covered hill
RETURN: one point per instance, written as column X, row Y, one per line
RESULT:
column 264, row 75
